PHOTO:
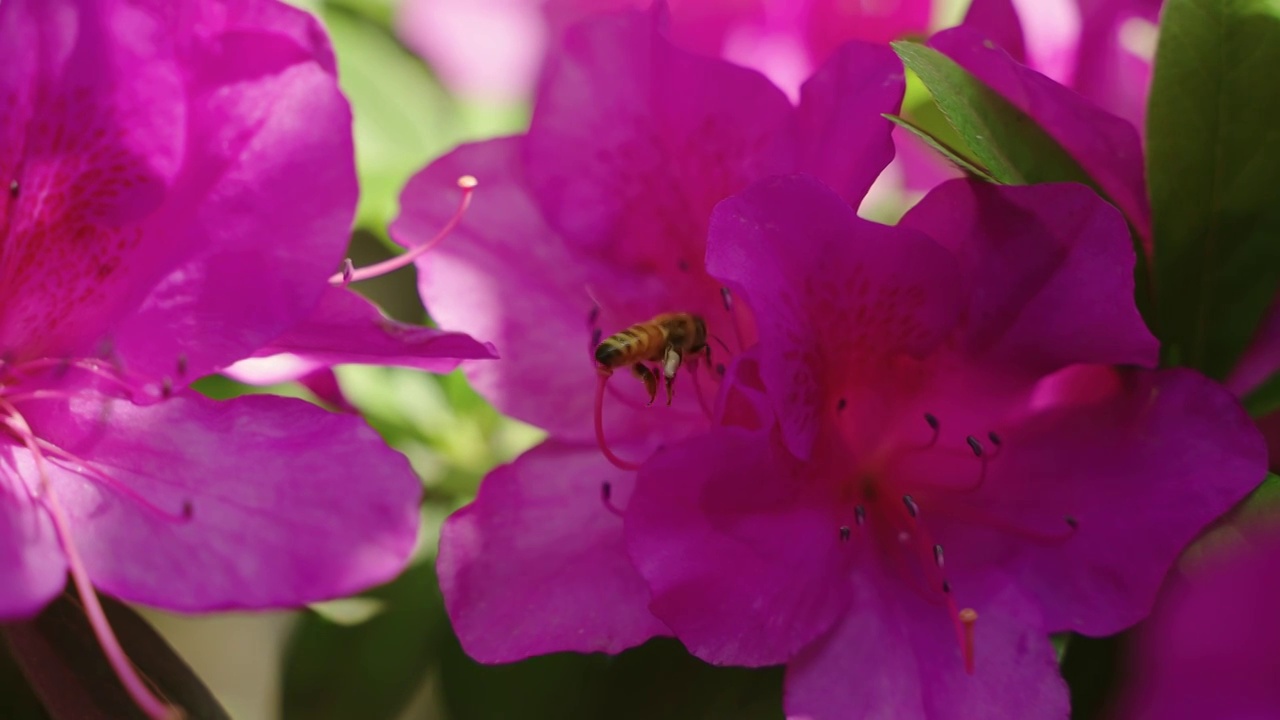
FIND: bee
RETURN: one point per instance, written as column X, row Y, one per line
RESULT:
column 664, row 340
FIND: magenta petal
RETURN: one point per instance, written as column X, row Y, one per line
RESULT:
column 91, row 98
column 347, row 328
column 1144, row 469
column 744, row 561
column 537, row 565
column 895, row 655
column 33, row 568
column 259, row 214
column 998, row 21
column 1107, row 147
column 504, row 249
column 255, row 502
column 634, row 140
column 842, row 137
column 830, row 291
column 1049, row 273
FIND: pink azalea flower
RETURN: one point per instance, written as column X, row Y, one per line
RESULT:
column 604, row 204
column 956, row 469
column 1102, row 49
column 1208, row 650
column 492, row 49
column 179, row 186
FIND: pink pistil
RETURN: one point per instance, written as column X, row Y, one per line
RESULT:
column 348, row 274
column 599, row 422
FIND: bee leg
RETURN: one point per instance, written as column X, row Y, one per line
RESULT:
column 650, row 380
column 670, row 364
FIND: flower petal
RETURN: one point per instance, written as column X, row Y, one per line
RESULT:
column 1144, row 468
column 260, row 212
column 87, row 148
column 634, row 140
column 537, row 565
column 895, row 655
column 745, row 564
column 831, row 292
column 32, row 564
column 347, row 328
column 840, row 107
column 255, row 502
column 1048, row 271
column 1107, row 148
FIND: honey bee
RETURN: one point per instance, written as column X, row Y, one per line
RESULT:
column 664, row 339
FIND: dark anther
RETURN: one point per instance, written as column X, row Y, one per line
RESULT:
column 937, row 555
column 933, row 421
column 682, row 265
column 860, row 514
column 1072, row 522
column 974, row 445
column 946, row 587
column 187, row 509
column 606, row 491
column 844, row 533
column 594, row 315
column 912, row 508
column 994, row 438
column 841, row 404
column 595, row 337
column 13, row 188
column 720, row 369
column 166, row 388
column 182, row 366
column 727, row 298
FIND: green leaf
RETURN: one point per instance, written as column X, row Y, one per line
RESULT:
column 656, row 680
column 1213, row 166
column 369, row 669
column 64, row 663
column 1006, row 141
column 952, row 154
column 1265, row 398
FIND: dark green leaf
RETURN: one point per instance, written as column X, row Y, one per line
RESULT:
column 1213, row 166
column 1006, row 141
column 1265, row 398
column 954, row 155
column 368, row 670
column 63, row 662
column 17, row 700
column 1091, row 667
column 656, row 680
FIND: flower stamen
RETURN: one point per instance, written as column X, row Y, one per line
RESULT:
column 142, row 695
column 348, row 274
column 603, row 375
column 606, row 497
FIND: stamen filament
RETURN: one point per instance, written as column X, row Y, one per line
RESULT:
column 147, row 701
column 606, row 497
column 348, row 274
column 599, row 423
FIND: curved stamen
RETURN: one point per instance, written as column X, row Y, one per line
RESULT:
column 599, row 423
column 147, row 701
column 348, row 274
column 109, row 373
column 606, row 497
column 697, row 386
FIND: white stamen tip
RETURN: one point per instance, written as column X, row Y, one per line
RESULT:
column 468, row 182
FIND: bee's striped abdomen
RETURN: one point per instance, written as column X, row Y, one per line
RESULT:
column 638, row 342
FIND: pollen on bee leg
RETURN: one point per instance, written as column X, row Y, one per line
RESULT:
column 467, row 184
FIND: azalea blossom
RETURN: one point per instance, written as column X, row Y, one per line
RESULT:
column 1208, row 650
column 493, row 49
column 180, row 185
column 967, row 456
column 595, row 220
